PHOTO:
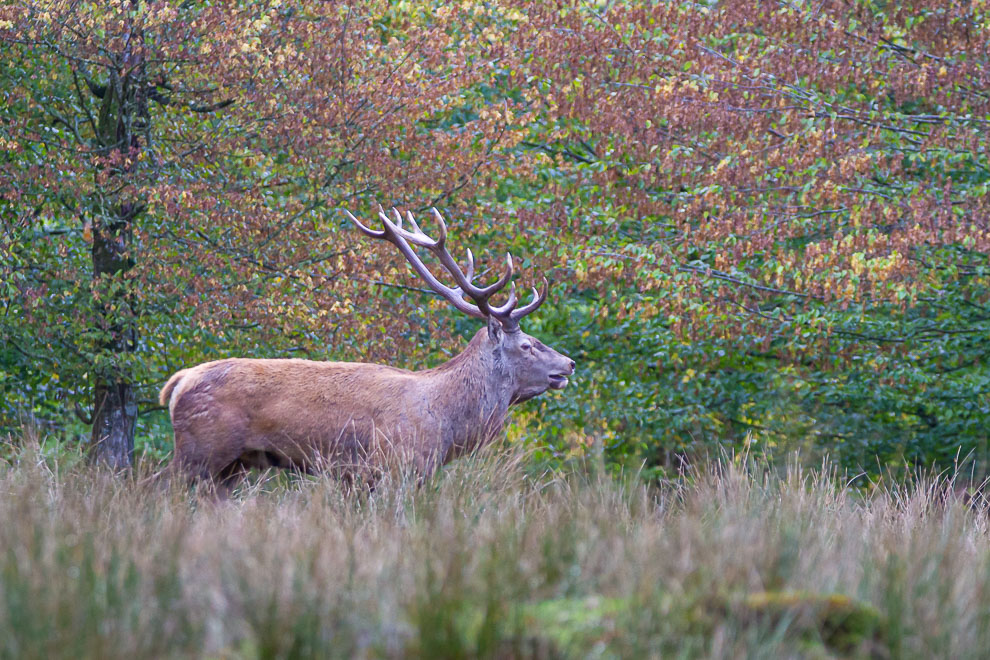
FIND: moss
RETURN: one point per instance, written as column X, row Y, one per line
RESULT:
column 842, row 624
column 574, row 622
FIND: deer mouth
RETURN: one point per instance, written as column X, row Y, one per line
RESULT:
column 558, row 381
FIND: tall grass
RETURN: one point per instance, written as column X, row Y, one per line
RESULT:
column 490, row 560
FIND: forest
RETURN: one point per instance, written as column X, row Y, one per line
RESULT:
column 766, row 229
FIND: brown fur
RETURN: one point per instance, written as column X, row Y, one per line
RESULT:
column 234, row 414
column 166, row 393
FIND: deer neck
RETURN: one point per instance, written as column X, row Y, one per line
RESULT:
column 477, row 390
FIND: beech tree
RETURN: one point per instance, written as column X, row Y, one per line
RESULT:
column 787, row 189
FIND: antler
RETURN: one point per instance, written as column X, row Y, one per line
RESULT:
column 507, row 314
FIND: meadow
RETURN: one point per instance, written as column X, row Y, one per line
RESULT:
column 764, row 229
column 494, row 557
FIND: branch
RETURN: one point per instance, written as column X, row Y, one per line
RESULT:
column 728, row 278
column 83, row 417
column 557, row 152
column 392, row 285
column 213, row 107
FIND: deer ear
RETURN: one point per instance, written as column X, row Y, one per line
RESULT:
column 494, row 329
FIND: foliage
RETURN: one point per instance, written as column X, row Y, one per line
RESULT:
column 782, row 215
column 766, row 225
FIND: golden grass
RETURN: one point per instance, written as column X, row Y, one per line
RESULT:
column 490, row 560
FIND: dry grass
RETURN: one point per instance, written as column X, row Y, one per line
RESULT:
column 490, row 560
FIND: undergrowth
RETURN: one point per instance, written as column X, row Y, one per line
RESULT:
column 490, row 559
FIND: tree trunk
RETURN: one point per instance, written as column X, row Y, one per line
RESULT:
column 114, row 414
column 123, row 116
column 114, row 406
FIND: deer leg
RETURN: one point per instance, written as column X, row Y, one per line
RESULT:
column 228, row 478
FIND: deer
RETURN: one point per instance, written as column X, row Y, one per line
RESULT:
column 356, row 418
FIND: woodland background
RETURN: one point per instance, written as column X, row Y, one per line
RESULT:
column 767, row 223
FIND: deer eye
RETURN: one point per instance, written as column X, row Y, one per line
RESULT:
column 526, row 347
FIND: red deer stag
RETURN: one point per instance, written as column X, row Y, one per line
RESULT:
column 234, row 414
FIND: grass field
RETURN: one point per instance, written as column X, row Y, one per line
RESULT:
column 491, row 559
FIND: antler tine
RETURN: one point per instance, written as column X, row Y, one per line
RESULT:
column 531, row 306
column 504, row 311
column 442, row 225
column 412, row 223
column 499, row 284
column 405, row 239
column 394, row 229
column 374, row 233
column 479, row 295
column 401, row 239
column 384, row 218
column 469, row 275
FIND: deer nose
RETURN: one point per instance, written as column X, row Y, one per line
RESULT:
column 572, row 366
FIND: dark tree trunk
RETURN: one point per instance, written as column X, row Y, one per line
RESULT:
column 114, row 405
column 113, row 424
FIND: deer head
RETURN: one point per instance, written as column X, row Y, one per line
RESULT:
column 529, row 366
